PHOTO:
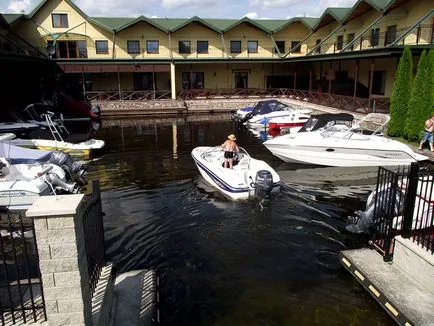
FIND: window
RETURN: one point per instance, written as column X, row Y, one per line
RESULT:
column 101, row 47
column 184, row 47
column 252, row 46
column 69, row 49
column 375, row 37
column 296, row 46
column 340, row 42
column 193, row 80
column 281, row 46
column 390, row 35
column 378, row 82
column 152, row 47
column 235, row 46
column 202, row 46
column 350, row 38
column 318, row 50
column 133, row 47
column 60, row 20
column 82, row 49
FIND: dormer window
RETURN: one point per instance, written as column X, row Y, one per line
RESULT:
column 60, row 20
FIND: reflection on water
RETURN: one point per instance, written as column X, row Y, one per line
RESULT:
column 230, row 263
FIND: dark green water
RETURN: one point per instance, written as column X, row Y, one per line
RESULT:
column 230, row 263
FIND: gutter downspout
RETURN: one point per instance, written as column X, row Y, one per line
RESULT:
column 275, row 46
column 363, row 32
column 412, row 27
column 114, row 43
column 325, row 39
column 224, row 45
column 170, row 45
column 298, row 45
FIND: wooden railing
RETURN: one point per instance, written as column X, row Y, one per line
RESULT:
column 342, row 102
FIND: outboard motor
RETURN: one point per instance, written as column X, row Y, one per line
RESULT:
column 263, row 183
column 57, row 182
column 72, row 168
column 364, row 221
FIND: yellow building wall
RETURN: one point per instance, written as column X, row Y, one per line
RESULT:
column 293, row 32
column 78, row 28
column 141, row 32
column 196, row 32
column 321, row 34
column 245, row 32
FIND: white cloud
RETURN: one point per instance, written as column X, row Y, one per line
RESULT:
column 19, row 6
column 172, row 4
column 336, row 3
column 252, row 15
column 269, row 4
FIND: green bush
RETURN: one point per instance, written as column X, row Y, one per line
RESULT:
column 401, row 94
column 431, row 73
column 420, row 104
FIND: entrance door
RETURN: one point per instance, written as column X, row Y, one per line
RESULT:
column 241, row 79
column 144, row 81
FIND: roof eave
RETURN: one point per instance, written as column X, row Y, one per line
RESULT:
column 249, row 21
column 195, row 19
column 140, row 19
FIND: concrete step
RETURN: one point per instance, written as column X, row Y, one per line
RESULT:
column 136, row 299
column 102, row 300
column 403, row 298
column 415, row 261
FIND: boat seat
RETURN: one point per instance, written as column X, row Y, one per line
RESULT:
column 243, row 164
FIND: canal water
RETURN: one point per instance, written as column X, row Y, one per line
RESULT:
column 230, row 263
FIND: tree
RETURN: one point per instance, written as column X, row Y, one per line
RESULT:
column 431, row 73
column 401, row 94
column 420, row 104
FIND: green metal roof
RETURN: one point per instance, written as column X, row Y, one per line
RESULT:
column 337, row 14
column 248, row 21
column 379, row 5
column 309, row 22
column 137, row 20
column 12, row 18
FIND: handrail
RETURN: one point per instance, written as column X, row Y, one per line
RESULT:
column 411, row 28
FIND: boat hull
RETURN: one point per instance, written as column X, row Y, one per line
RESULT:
column 337, row 156
column 20, row 199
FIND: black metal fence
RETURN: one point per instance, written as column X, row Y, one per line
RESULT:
column 21, row 293
column 404, row 205
column 94, row 234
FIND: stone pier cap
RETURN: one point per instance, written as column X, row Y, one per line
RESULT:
column 55, row 205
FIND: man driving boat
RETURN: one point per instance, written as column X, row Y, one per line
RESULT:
column 230, row 147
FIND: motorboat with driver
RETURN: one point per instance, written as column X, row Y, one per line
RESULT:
column 361, row 145
column 247, row 179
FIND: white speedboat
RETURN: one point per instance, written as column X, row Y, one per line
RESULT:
column 336, row 145
column 85, row 148
column 26, row 174
column 288, row 116
column 248, row 178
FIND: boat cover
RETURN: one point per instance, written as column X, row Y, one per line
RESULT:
column 21, row 155
column 265, row 107
column 317, row 121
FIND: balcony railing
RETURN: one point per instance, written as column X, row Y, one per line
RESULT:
column 341, row 102
column 420, row 35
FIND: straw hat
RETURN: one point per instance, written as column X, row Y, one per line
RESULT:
column 232, row 137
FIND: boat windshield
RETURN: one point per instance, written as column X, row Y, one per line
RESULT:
column 373, row 124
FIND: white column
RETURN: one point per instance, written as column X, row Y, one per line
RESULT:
column 172, row 81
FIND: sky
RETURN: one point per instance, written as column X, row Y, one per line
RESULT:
column 255, row 9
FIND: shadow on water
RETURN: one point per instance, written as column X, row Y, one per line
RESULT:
column 231, row 263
